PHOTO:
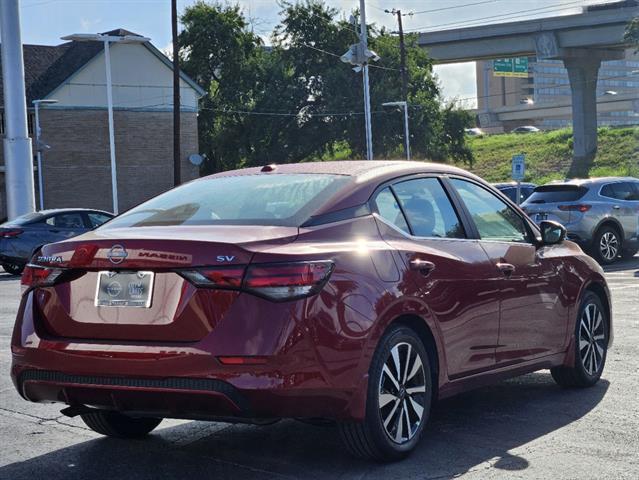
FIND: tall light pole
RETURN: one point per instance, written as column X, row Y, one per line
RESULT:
column 39, row 145
column 107, row 40
column 404, row 105
column 17, row 145
column 363, row 36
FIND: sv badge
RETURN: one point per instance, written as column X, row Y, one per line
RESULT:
column 225, row 258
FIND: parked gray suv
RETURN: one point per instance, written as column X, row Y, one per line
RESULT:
column 600, row 214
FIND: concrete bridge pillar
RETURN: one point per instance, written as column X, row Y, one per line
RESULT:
column 583, row 73
column 583, row 70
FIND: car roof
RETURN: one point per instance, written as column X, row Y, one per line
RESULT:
column 365, row 175
column 593, row 181
column 52, row 211
column 513, row 184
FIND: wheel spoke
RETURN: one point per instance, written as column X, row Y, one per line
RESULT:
column 418, row 389
column 399, row 432
column 390, row 415
column 408, row 353
column 409, row 432
column 395, row 355
column 597, row 321
column 417, row 408
column 583, row 344
column 385, row 399
column 417, row 366
column 598, row 337
column 389, row 374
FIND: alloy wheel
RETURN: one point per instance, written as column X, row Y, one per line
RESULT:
column 591, row 339
column 402, row 393
column 609, row 246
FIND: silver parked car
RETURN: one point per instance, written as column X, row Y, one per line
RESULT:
column 600, row 214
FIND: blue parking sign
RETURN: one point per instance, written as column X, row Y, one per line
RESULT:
column 519, row 167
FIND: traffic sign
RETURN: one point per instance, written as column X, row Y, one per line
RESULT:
column 518, row 167
column 510, row 67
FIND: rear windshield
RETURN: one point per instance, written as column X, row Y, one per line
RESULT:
column 557, row 193
column 275, row 199
column 22, row 220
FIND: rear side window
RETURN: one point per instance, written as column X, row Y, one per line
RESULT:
column 620, row 191
column 66, row 220
column 428, row 209
column 263, row 199
column 494, row 219
column 22, row 220
column 389, row 210
column 557, row 193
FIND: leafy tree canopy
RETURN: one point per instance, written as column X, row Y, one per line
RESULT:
column 296, row 101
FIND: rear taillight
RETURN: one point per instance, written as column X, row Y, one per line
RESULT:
column 34, row 276
column 575, row 208
column 221, row 277
column 12, row 233
column 276, row 281
column 287, row 281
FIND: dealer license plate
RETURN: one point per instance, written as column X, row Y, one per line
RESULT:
column 124, row 289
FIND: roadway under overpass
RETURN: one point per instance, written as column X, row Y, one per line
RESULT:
column 582, row 41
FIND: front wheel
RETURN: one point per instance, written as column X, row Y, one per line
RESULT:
column 591, row 346
column 116, row 424
column 398, row 400
column 606, row 245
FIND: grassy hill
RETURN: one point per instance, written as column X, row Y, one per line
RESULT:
column 548, row 154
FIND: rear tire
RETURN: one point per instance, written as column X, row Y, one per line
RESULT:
column 606, row 245
column 13, row 269
column 591, row 346
column 398, row 399
column 119, row 425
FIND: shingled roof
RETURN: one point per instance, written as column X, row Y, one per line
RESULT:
column 47, row 67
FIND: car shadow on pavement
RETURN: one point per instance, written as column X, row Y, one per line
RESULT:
column 473, row 431
column 623, row 265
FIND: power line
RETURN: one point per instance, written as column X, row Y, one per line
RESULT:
column 453, row 7
column 511, row 15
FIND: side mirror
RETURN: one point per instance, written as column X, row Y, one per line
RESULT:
column 552, row 232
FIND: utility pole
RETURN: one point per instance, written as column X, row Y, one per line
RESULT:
column 18, row 157
column 363, row 36
column 176, row 95
column 402, row 57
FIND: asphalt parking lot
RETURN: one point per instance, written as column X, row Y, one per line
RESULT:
column 522, row 428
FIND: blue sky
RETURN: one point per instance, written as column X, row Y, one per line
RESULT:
column 45, row 21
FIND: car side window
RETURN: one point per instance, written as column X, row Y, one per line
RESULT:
column 607, row 191
column 494, row 219
column 624, row 191
column 97, row 219
column 66, row 220
column 428, row 209
column 389, row 210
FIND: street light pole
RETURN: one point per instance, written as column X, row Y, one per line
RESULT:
column 367, row 94
column 404, row 105
column 39, row 146
column 107, row 40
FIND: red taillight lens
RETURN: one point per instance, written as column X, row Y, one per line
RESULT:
column 216, row 277
column 575, row 208
column 34, row 276
column 10, row 233
column 252, row 360
column 287, row 281
column 277, row 281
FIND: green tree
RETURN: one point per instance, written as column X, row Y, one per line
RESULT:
column 295, row 101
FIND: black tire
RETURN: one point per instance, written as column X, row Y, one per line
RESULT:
column 579, row 375
column 116, row 424
column 607, row 235
column 371, row 439
column 12, row 269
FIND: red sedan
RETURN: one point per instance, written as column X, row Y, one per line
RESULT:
column 358, row 292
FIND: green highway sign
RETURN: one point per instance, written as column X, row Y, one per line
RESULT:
column 510, row 67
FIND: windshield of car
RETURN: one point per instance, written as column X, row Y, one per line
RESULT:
column 275, row 199
column 22, row 220
column 557, row 193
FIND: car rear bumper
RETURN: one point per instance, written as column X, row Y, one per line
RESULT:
column 182, row 380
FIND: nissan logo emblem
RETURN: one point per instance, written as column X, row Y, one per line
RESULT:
column 117, row 254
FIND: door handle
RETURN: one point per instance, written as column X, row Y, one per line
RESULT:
column 506, row 268
column 616, row 207
column 424, row 266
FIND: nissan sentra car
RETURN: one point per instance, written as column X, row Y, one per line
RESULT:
column 357, row 292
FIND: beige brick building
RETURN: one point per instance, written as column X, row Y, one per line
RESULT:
column 76, row 169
